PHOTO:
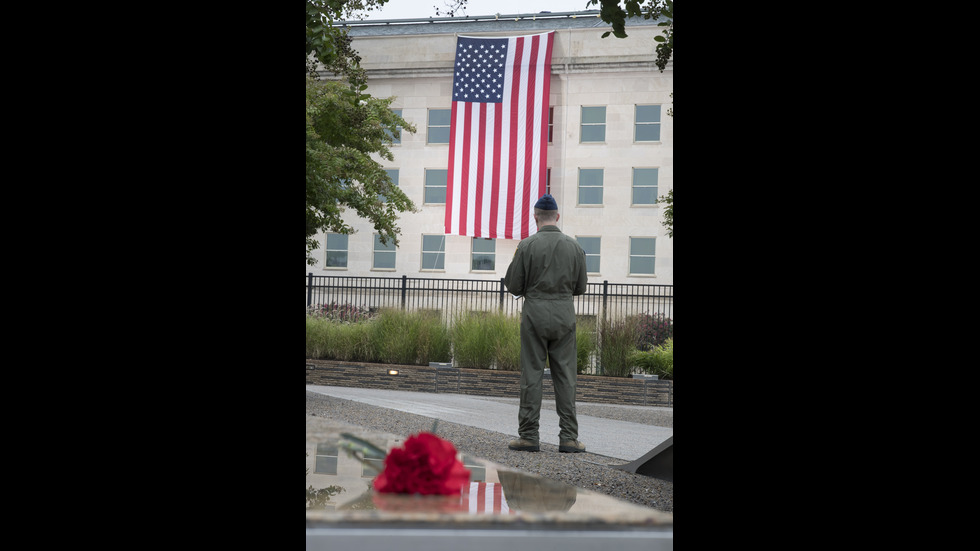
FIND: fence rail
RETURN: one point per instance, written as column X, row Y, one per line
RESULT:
column 609, row 301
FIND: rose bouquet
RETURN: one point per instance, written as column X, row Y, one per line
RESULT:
column 425, row 464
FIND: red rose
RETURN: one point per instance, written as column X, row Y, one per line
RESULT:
column 426, row 464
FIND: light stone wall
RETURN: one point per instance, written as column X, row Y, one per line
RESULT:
column 586, row 71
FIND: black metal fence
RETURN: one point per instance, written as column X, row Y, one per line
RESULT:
column 609, row 301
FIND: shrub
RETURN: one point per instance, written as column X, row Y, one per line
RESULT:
column 352, row 342
column 617, row 341
column 403, row 337
column 433, row 344
column 481, row 340
column 339, row 312
column 507, row 350
column 487, row 340
column 585, row 344
column 469, row 348
column 659, row 361
column 317, row 338
column 332, row 340
column 653, row 330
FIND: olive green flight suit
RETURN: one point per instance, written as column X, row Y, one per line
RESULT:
column 548, row 269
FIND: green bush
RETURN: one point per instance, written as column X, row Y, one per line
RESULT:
column 339, row 312
column 487, row 340
column 507, row 352
column 433, row 343
column 393, row 336
column 617, row 341
column 470, row 346
column 585, row 346
column 317, row 337
column 331, row 340
column 653, row 330
column 410, row 338
column 659, row 361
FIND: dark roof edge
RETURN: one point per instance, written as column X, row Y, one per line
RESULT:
column 464, row 18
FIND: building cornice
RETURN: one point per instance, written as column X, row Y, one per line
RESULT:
column 557, row 69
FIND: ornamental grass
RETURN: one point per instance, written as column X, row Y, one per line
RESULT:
column 482, row 340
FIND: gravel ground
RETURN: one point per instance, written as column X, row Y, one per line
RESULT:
column 584, row 470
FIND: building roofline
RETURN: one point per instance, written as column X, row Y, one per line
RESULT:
column 474, row 18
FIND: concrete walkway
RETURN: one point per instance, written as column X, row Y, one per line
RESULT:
column 617, row 439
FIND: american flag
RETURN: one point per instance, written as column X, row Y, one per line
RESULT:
column 486, row 497
column 498, row 141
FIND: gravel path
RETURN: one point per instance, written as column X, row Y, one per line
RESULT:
column 584, row 470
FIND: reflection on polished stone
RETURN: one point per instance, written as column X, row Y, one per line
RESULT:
column 339, row 490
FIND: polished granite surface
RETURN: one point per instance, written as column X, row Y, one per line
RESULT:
column 339, row 493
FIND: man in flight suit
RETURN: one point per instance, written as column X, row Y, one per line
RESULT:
column 548, row 269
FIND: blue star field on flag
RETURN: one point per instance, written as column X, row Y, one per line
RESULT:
column 479, row 71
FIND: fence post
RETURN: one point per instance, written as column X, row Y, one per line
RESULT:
column 501, row 294
column 309, row 290
column 404, row 287
column 600, row 334
column 605, row 294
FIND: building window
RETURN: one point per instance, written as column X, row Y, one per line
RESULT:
column 384, row 255
column 551, row 124
column 393, row 174
column 433, row 252
column 484, row 255
column 396, row 138
column 439, row 125
column 370, row 467
column 590, row 186
column 645, row 186
column 591, row 246
column 326, row 458
column 642, row 255
column 435, row 185
column 594, row 124
column 647, row 123
column 336, row 250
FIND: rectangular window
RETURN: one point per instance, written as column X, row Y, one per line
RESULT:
column 393, row 174
column 435, row 185
column 591, row 246
column 594, row 124
column 590, row 186
column 396, row 138
column 551, row 124
column 642, row 255
column 484, row 255
column 438, row 126
column 370, row 467
column 647, row 123
column 326, row 458
column 547, row 185
column 433, row 252
column 384, row 255
column 336, row 250
column 645, row 186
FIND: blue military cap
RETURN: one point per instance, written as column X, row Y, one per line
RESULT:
column 546, row 202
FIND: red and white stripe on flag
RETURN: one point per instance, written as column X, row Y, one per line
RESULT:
column 498, row 142
column 486, row 497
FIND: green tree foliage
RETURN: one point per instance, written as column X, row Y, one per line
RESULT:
column 613, row 14
column 668, row 212
column 329, row 44
column 341, row 136
column 345, row 129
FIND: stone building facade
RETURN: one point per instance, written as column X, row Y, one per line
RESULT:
column 610, row 152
